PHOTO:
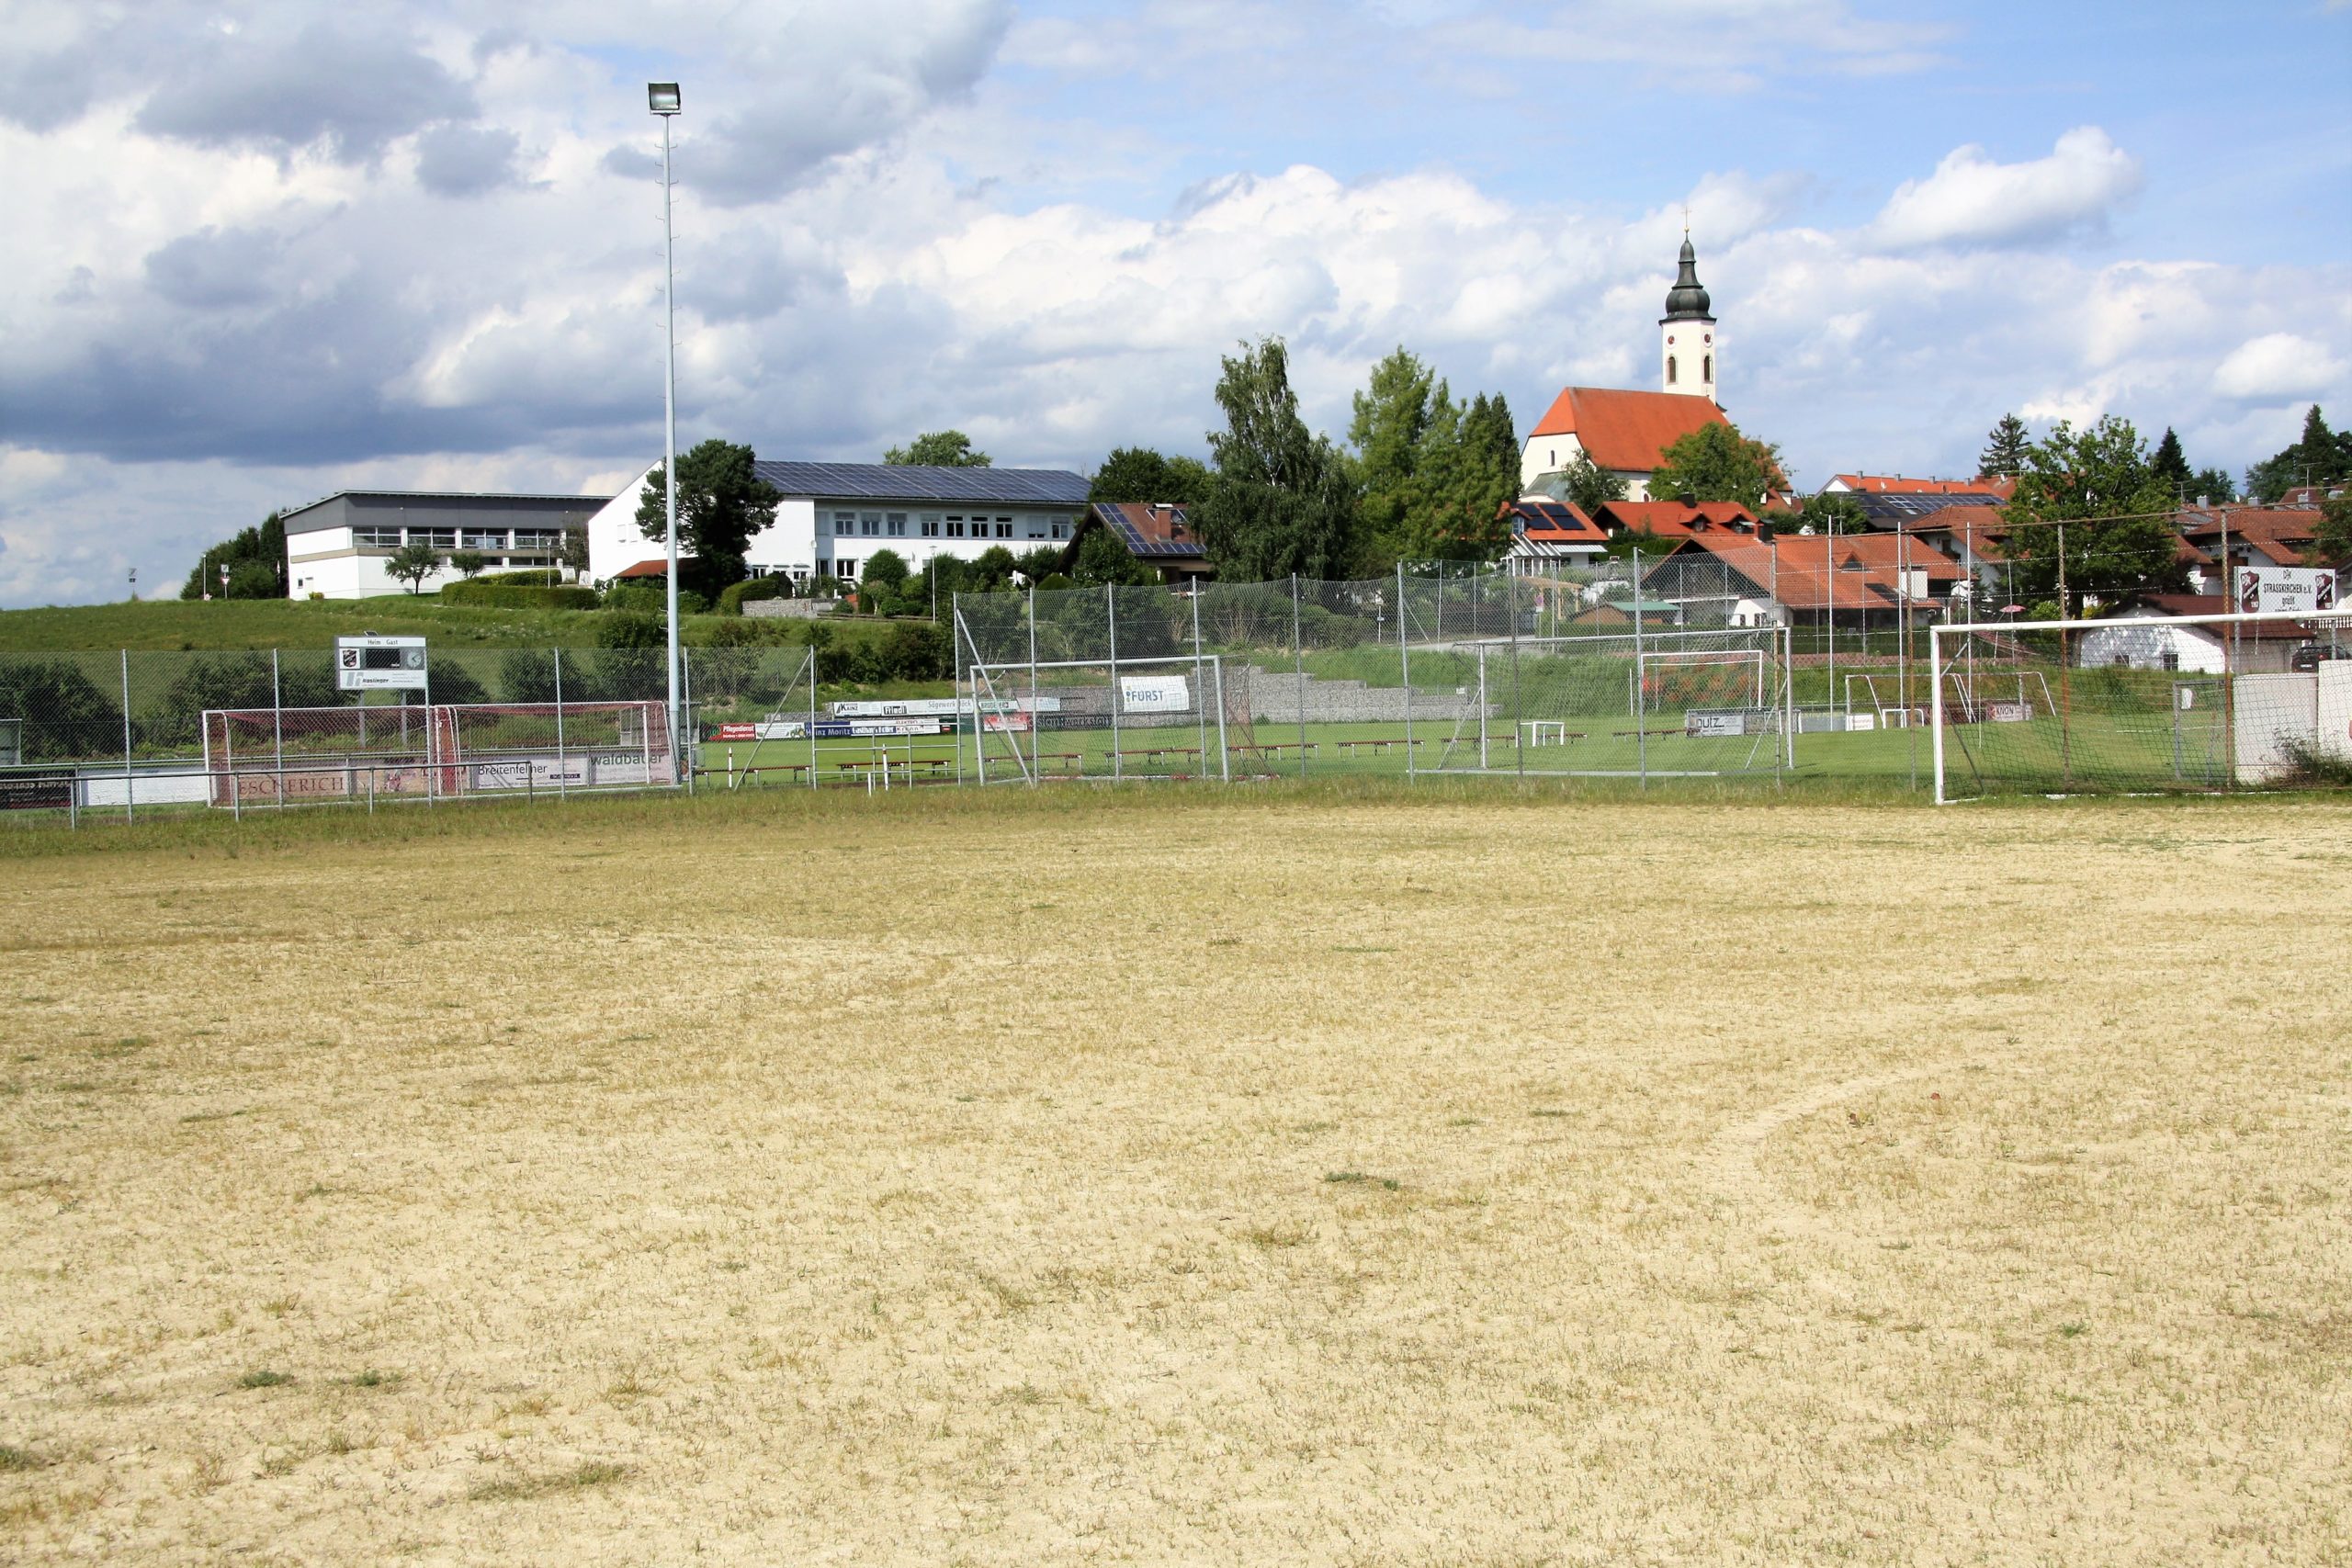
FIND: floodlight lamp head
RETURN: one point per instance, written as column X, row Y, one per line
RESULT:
column 662, row 97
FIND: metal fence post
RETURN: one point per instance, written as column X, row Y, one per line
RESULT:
column 562, row 789
column 1482, row 707
column 278, row 728
column 1299, row 659
column 1111, row 618
column 1405, row 671
column 685, row 747
column 129, row 811
column 1641, row 695
column 812, row 718
column 1517, row 713
column 1035, row 720
column 1200, row 685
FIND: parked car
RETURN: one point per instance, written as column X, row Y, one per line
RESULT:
column 2309, row 654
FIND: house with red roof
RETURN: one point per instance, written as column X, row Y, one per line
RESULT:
column 1545, row 531
column 1160, row 533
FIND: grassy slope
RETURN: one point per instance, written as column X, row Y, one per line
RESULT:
column 293, row 624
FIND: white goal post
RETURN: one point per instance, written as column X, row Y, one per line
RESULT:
column 1016, row 698
column 289, row 756
column 2141, row 703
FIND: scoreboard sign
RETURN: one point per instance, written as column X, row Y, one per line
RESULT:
column 380, row 664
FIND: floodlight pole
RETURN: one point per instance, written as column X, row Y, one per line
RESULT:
column 662, row 99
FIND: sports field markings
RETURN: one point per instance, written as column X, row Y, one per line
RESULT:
column 1729, row 1160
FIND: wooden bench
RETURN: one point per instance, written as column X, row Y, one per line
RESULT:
column 1277, row 747
column 1630, row 734
column 1155, row 752
column 1378, row 745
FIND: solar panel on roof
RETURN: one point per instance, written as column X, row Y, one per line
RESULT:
column 883, row 481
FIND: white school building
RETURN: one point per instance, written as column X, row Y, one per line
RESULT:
column 336, row 547
column 835, row 516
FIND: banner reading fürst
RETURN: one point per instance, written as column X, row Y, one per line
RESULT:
column 1155, row 693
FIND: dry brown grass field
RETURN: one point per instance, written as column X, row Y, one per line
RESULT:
column 1212, row 1178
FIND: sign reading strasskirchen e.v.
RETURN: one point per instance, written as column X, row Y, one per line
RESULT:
column 2264, row 590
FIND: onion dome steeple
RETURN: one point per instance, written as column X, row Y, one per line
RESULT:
column 1687, row 300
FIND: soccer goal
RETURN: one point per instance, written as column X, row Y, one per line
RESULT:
column 1611, row 705
column 2141, row 705
column 290, row 756
column 1171, row 716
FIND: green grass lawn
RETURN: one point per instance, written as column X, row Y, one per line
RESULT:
column 313, row 623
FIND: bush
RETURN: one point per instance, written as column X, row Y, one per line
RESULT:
column 66, row 713
column 514, row 596
column 533, row 577
column 732, row 598
column 916, row 650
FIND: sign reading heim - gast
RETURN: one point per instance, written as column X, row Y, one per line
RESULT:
column 380, row 664
column 2263, row 589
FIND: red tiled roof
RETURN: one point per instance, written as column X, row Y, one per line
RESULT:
column 1151, row 528
column 1627, row 430
column 1676, row 519
column 2280, row 535
column 1848, row 572
column 1556, row 521
column 1896, row 484
column 657, row 567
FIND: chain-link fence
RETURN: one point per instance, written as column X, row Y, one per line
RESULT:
column 1565, row 671
column 1691, row 668
column 125, row 733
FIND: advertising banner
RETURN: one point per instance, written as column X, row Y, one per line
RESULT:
column 764, row 729
column 27, row 790
column 1156, row 694
column 2287, row 589
column 864, row 728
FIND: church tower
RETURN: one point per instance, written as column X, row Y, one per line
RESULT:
column 1690, row 331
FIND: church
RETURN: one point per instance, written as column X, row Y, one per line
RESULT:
column 1624, row 432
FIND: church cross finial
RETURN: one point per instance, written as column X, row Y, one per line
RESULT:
column 1686, row 219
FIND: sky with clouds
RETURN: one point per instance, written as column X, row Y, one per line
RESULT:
column 263, row 250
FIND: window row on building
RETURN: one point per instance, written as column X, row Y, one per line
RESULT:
column 946, row 525
column 385, row 539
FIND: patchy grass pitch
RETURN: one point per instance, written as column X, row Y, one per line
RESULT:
column 1281, row 1178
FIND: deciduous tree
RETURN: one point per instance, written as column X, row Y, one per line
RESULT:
column 1139, row 473
column 2118, row 538
column 938, row 449
column 1280, row 500
column 1715, row 462
column 413, row 564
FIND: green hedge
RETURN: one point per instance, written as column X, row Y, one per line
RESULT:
column 514, row 596
column 732, row 597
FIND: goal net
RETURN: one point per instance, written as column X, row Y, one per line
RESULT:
column 2142, row 704
column 1171, row 718
column 285, row 756
column 1674, row 704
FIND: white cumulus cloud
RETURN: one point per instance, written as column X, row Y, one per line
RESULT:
column 1972, row 201
column 2276, row 365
